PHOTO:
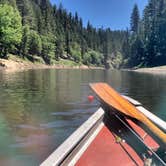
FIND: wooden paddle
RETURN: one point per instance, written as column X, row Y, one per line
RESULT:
column 112, row 98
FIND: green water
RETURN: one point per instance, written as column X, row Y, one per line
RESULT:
column 39, row 109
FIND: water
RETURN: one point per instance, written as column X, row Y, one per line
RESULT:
column 39, row 109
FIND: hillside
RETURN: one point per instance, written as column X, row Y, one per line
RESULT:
column 36, row 28
column 53, row 33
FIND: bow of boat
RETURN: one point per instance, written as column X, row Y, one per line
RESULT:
column 108, row 139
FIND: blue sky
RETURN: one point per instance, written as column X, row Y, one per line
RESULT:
column 103, row 13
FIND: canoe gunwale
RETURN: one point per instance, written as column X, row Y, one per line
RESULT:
column 63, row 153
column 141, row 140
column 159, row 122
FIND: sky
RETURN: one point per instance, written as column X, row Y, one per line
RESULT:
column 114, row 14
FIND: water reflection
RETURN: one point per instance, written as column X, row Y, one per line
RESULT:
column 39, row 109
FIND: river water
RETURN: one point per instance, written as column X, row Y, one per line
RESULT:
column 39, row 109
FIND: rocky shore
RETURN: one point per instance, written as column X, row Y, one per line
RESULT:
column 17, row 64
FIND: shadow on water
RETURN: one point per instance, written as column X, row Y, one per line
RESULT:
column 39, row 109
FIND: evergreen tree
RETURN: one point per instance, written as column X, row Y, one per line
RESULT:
column 25, row 41
column 126, row 45
column 59, row 48
column 135, row 19
column 26, row 12
column 35, row 43
column 48, row 48
column 105, row 50
column 136, row 52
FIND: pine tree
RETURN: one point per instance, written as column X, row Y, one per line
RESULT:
column 35, row 43
column 59, row 48
column 135, row 19
column 105, row 51
column 136, row 52
column 24, row 46
column 126, row 45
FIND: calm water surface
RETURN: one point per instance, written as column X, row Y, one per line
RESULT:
column 39, row 109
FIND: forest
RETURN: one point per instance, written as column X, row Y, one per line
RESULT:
column 36, row 29
column 145, row 43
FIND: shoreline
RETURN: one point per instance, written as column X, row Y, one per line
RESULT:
column 14, row 64
column 152, row 70
column 19, row 64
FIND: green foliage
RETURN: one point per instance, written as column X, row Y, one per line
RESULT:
column 96, row 57
column 116, row 62
column 48, row 48
column 93, row 57
column 24, row 47
column 27, row 13
column 76, row 52
column 59, row 48
column 10, row 28
column 147, row 45
column 53, row 33
column 126, row 46
column 35, row 43
column 9, row 2
column 66, row 62
column 50, row 32
column 135, row 19
column 87, row 59
column 136, row 50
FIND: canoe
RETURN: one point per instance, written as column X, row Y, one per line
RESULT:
column 109, row 138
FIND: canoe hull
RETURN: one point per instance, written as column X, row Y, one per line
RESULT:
column 103, row 138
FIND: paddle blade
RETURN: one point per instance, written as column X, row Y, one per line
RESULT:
column 113, row 99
